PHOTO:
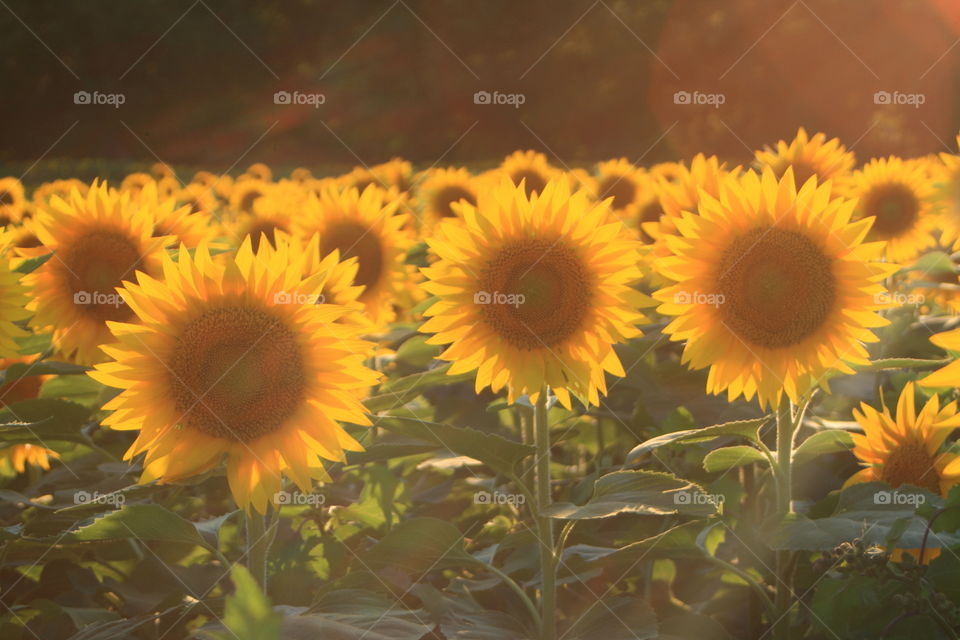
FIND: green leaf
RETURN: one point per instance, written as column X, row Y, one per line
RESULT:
column 402, row 390
column 31, row 264
column 744, row 428
column 620, row 618
column 639, row 492
column 732, row 457
column 416, row 352
column 823, row 442
column 41, row 368
column 43, row 419
column 499, row 453
column 678, row 542
column 247, row 613
column 419, row 545
column 143, row 522
column 381, row 451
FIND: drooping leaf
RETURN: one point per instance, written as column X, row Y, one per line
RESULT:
column 402, row 390
column 143, row 522
column 743, row 428
column 731, row 457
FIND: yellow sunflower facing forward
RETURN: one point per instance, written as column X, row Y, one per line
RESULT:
column 816, row 156
column 529, row 167
column 773, row 287
column 439, row 190
column 98, row 240
column 534, row 291
column 236, row 359
column 897, row 194
column 365, row 226
column 906, row 448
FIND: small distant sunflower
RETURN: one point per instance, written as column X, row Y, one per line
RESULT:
column 534, row 291
column 12, row 200
column 365, row 226
column 260, row 171
column 301, row 175
column 439, row 190
column 162, row 170
column 773, row 287
column 235, row 359
column 98, row 240
column 169, row 219
column 62, row 188
column 816, row 156
column 273, row 212
column 897, row 194
column 16, row 457
column 134, row 182
column 530, row 167
column 905, row 449
column 681, row 192
column 669, row 171
column 620, row 180
column 395, row 173
column 245, row 194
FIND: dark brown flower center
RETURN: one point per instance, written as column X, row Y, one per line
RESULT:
column 447, row 196
column 534, row 181
column 909, row 463
column 895, row 206
column 621, row 188
column 93, row 266
column 355, row 239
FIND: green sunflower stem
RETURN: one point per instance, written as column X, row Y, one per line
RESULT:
column 257, row 545
column 786, row 429
column 548, row 569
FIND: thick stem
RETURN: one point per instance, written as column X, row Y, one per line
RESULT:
column 257, row 545
column 786, row 427
column 548, row 592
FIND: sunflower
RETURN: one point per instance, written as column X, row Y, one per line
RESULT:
column 534, row 291
column 897, row 194
column 816, row 156
column 98, row 240
column 440, row 189
column 236, row 359
column 13, row 299
column 12, row 200
column 162, row 170
column 773, row 287
column 529, row 167
column 395, row 173
column 905, row 449
column 62, row 188
column 16, row 457
column 245, row 193
column 260, row 171
column 25, row 388
column 620, row 180
column 135, row 182
column 681, row 192
column 273, row 212
column 169, row 219
column 946, row 181
column 365, row 226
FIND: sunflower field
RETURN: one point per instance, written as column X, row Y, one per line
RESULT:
column 447, row 320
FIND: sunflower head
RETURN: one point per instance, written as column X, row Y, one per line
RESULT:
column 244, row 195
column 12, row 200
column 368, row 227
column 98, row 240
column 906, row 448
column 816, row 156
column 16, row 457
column 237, row 359
column 529, row 167
column 273, row 212
column 897, row 194
column 620, row 180
column 772, row 287
column 534, row 291
column 440, row 190
column 134, row 182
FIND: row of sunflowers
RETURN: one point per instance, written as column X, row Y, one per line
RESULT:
column 465, row 364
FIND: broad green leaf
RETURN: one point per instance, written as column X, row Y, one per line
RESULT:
column 43, row 419
column 402, row 390
column 620, row 618
column 247, row 613
column 416, row 352
column 143, row 522
column 822, row 442
column 743, row 428
column 31, row 264
column 639, row 492
column 493, row 450
column 41, row 368
column 419, row 545
column 732, row 457
column 678, row 542
column 461, row 617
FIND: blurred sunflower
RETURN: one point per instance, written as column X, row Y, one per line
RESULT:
column 12, row 200
column 530, row 167
column 365, row 226
column 816, row 156
column 905, row 449
column 620, row 180
column 260, row 171
column 16, row 457
column 98, row 241
column 898, row 195
column 245, row 193
column 534, row 291
column 134, row 182
column 773, row 287
column 440, row 189
column 395, row 173
column 235, row 359
column 273, row 212
column 169, row 219
column 62, row 188
column 681, row 192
